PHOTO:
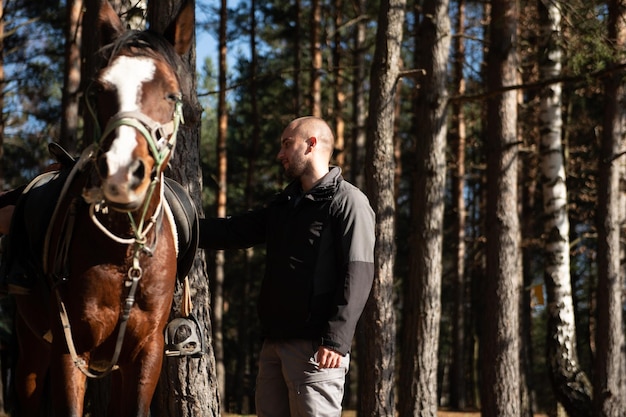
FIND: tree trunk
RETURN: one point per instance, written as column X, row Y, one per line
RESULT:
column 458, row 136
column 422, row 303
column 339, row 94
column 500, row 344
column 297, row 91
column 316, row 58
column 71, row 77
column 609, row 360
column 244, row 362
column 188, row 386
column 357, row 148
column 376, row 386
column 222, row 168
column 570, row 384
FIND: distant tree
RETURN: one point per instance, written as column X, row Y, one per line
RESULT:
column 377, row 356
column 316, row 58
column 221, row 200
column 458, row 132
column 68, row 137
column 359, row 108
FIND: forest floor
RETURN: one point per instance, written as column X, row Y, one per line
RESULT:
column 441, row 413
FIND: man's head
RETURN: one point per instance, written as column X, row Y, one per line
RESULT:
column 306, row 147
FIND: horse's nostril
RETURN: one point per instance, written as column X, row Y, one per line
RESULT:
column 139, row 171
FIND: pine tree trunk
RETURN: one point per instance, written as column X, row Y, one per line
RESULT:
column 358, row 140
column 422, row 304
column 500, row 394
column 609, row 361
column 316, row 58
column 458, row 135
column 71, row 77
column 376, row 386
column 222, row 167
column 188, row 386
column 339, row 95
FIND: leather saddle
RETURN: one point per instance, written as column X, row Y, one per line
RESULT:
column 19, row 269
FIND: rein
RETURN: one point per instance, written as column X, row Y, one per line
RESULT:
column 161, row 139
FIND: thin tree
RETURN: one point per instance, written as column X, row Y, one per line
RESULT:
column 244, row 404
column 188, row 386
column 221, row 194
column 359, row 112
column 297, row 30
column 608, row 381
column 71, row 76
column 458, row 143
column 376, row 386
column 338, row 91
column 316, row 58
column 422, row 297
column 571, row 386
column 500, row 393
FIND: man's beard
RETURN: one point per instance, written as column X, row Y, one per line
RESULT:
column 295, row 170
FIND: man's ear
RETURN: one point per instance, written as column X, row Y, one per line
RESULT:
column 312, row 141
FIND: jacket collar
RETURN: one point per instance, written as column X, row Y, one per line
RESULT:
column 323, row 190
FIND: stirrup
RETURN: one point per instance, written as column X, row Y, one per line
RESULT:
column 184, row 337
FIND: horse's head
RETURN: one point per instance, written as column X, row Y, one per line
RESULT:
column 138, row 105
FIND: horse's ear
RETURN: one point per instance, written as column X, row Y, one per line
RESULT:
column 180, row 32
column 110, row 25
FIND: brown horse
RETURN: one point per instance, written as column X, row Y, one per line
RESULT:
column 98, row 301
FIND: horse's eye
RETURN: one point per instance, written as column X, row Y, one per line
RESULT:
column 174, row 97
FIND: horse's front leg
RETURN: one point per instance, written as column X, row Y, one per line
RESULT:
column 31, row 370
column 69, row 383
column 132, row 398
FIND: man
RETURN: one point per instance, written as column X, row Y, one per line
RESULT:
column 319, row 233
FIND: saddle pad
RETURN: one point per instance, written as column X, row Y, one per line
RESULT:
column 187, row 225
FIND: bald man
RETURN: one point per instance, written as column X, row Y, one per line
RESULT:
column 319, row 269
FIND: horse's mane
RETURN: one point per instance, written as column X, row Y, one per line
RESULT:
column 144, row 43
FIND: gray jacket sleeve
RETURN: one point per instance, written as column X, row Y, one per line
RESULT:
column 357, row 236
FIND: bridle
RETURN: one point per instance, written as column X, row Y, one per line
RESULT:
column 161, row 140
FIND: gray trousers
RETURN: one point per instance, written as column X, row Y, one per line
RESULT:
column 290, row 384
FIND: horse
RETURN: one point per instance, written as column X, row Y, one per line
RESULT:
column 94, row 291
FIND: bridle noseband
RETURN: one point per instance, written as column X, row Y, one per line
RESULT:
column 161, row 138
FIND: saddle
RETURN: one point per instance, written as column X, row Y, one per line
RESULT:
column 22, row 266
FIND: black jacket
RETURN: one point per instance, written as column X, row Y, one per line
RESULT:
column 319, row 266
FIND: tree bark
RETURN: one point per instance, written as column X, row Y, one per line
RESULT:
column 71, row 77
column 500, row 394
column 222, row 170
column 188, row 386
column 316, row 58
column 458, row 139
column 376, row 386
column 609, row 369
column 359, row 114
column 570, row 384
column 422, row 304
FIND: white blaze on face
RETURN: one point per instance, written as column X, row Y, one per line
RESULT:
column 127, row 74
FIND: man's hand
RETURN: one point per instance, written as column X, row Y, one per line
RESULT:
column 328, row 358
